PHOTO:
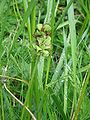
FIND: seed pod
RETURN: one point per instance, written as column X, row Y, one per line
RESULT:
column 39, row 27
column 47, row 28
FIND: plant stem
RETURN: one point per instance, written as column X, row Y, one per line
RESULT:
column 33, row 20
column 2, row 103
column 66, row 73
column 48, row 67
column 18, row 12
column 25, row 4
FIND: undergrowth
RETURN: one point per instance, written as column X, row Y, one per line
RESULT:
column 44, row 60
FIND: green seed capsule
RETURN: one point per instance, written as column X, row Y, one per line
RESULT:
column 39, row 27
column 47, row 28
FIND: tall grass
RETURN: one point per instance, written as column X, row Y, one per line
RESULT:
column 25, row 4
column 44, row 60
column 71, row 20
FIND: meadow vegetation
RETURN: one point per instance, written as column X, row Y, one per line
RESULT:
column 44, row 60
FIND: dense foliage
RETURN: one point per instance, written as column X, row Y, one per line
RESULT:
column 44, row 60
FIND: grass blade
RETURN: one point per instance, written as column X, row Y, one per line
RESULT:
column 81, row 96
column 73, row 46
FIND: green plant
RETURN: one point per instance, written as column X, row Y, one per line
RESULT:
column 44, row 60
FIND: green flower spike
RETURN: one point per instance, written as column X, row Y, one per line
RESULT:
column 43, row 44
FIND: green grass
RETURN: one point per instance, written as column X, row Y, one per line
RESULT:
column 71, row 20
column 44, row 60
